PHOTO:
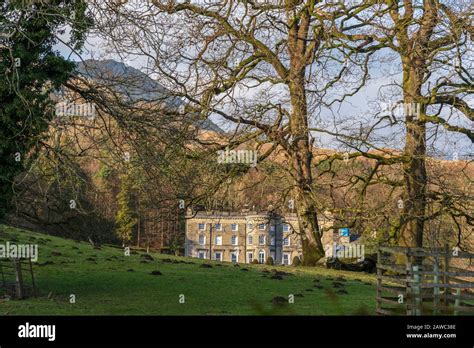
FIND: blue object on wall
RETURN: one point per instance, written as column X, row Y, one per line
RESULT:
column 344, row 232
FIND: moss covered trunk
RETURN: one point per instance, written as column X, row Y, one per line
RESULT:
column 414, row 168
column 300, row 149
column 301, row 160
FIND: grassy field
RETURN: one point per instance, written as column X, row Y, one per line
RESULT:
column 106, row 282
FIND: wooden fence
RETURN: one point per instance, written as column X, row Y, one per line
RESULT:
column 419, row 281
column 17, row 278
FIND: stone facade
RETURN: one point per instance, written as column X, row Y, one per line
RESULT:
column 246, row 236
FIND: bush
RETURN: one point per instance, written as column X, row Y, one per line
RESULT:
column 296, row 261
column 255, row 261
column 269, row 261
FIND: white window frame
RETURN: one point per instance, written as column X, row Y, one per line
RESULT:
column 286, row 228
column 250, row 227
column 215, row 255
column 220, row 226
column 203, row 253
column 287, row 238
column 264, row 239
column 236, row 227
column 236, row 241
column 236, row 254
column 249, row 257
column 218, row 240
column 201, row 223
column 250, row 240
column 204, row 239
column 264, row 227
column 261, row 252
column 288, row 259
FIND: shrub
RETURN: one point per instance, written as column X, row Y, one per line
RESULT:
column 269, row 261
column 296, row 261
column 255, row 261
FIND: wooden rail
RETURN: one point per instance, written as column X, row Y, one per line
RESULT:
column 13, row 277
column 423, row 282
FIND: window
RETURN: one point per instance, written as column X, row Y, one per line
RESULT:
column 261, row 226
column 218, row 240
column 234, row 240
column 286, row 259
column 218, row 256
column 286, row 227
column 202, row 239
column 249, row 257
column 261, row 256
column 272, row 228
column 202, row 226
column 286, row 241
column 250, row 241
column 202, row 255
column 250, row 227
column 272, row 240
column 218, row 227
column 233, row 256
column 234, row 227
column 261, row 239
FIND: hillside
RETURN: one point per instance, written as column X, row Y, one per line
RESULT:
column 133, row 85
column 105, row 281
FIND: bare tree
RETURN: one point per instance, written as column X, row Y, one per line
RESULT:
column 263, row 70
column 433, row 42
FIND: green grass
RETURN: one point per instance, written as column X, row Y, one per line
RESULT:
column 106, row 287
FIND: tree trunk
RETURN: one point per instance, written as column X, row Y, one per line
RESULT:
column 411, row 233
column 309, row 229
column 414, row 170
column 301, row 155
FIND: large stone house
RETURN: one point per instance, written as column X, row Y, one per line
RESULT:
column 246, row 236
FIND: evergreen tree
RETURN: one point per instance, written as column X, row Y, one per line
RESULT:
column 31, row 70
column 125, row 220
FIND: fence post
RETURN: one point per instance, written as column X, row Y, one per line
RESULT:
column 416, row 289
column 3, row 276
column 379, row 273
column 445, row 277
column 436, row 288
column 408, row 299
column 32, row 278
column 457, row 302
column 18, row 279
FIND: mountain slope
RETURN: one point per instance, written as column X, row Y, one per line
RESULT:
column 133, row 85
